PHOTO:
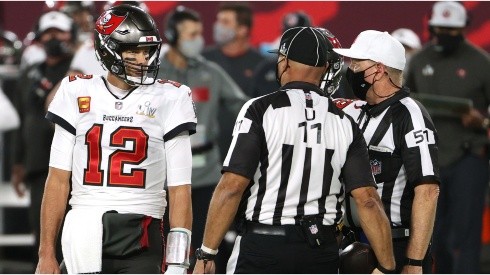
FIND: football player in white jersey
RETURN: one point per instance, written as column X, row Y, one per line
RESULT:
column 119, row 138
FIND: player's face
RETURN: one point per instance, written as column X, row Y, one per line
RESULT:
column 134, row 58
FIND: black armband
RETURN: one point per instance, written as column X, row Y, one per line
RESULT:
column 413, row 262
column 386, row 271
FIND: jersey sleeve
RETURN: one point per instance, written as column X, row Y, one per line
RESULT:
column 182, row 117
column 356, row 171
column 419, row 147
column 65, row 107
column 248, row 137
column 61, row 155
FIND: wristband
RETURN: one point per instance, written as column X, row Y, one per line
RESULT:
column 178, row 246
column 209, row 250
column 386, row 271
column 413, row 262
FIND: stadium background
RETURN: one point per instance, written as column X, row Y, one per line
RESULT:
column 344, row 18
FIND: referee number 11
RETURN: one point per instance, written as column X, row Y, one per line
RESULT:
column 317, row 126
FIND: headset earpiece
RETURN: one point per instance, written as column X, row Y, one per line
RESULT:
column 171, row 33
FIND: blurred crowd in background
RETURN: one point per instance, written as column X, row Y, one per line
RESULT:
column 42, row 42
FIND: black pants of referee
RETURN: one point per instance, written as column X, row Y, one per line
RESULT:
column 287, row 253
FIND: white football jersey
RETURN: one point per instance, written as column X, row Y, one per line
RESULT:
column 119, row 160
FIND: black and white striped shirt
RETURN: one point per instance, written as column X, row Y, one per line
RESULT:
column 296, row 147
column 402, row 143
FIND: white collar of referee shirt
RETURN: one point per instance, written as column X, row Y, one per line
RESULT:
column 302, row 86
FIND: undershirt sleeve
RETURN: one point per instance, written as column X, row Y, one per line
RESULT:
column 179, row 160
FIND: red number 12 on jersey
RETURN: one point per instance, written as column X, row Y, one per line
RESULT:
column 116, row 177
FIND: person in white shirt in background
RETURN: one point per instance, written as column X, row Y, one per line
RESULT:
column 410, row 41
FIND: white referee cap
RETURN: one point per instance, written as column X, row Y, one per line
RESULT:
column 376, row 46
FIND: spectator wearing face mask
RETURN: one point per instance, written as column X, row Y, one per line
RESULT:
column 212, row 90
column 233, row 50
column 234, row 53
column 32, row 142
column 452, row 66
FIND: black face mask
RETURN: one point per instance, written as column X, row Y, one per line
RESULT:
column 448, row 44
column 56, row 48
column 278, row 77
column 357, row 81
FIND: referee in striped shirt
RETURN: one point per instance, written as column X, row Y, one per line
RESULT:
column 293, row 157
column 402, row 145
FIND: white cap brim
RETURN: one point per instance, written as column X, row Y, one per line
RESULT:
column 350, row 53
